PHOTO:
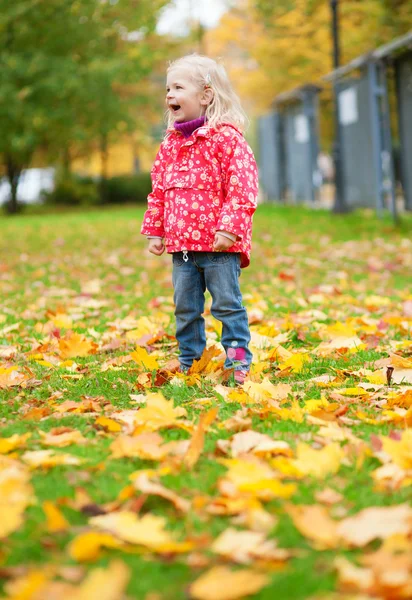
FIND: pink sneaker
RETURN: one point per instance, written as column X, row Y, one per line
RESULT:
column 240, row 377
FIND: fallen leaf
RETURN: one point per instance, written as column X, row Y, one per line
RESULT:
column 198, row 438
column 314, row 523
column 220, row 583
column 376, row 522
column 142, row 483
column 55, row 519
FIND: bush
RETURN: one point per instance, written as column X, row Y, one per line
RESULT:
column 77, row 190
column 127, row 188
column 73, row 191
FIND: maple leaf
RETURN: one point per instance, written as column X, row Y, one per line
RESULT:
column 47, row 459
column 61, row 437
column 399, row 450
column 245, row 546
column 87, row 546
column 16, row 493
column 148, row 531
column 142, row 483
column 375, row 522
column 15, row 441
column 265, row 390
column 295, row 363
column 105, row 584
column 220, row 583
column 55, row 519
column 318, row 463
column 141, row 357
column 75, row 345
column 203, row 365
column 314, row 523
column 146, row 446
column 158, row 413
column 10, row 377
column 253, row 477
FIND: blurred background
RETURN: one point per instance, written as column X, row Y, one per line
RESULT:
column 327, row 86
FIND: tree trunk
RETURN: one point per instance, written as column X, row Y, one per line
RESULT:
column 67, row 163
column 13, row 172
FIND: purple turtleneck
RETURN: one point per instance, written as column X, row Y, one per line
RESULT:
column 189, row 127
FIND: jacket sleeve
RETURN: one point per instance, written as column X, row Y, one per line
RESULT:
column 153, row 220
column 240, row 181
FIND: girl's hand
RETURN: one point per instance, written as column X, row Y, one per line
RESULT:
column 156, row 246
column 222, row 243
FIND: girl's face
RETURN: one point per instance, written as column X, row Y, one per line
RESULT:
column 184, row 100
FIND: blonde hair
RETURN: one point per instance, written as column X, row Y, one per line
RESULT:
column 204, row 72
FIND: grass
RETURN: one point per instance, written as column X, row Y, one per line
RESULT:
column 89, row 270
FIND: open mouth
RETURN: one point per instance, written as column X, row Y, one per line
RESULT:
column 174, row 107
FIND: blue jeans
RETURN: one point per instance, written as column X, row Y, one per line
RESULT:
column 219, row 273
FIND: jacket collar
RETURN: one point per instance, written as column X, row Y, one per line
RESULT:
column 204, row 131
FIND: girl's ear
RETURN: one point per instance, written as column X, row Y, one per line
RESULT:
column 207, row 96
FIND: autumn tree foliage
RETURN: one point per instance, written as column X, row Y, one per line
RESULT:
column 271, row 47
column 68, row 75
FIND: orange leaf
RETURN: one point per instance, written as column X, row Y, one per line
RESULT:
column 220, row 583
column 198, row 438
column 74, row 344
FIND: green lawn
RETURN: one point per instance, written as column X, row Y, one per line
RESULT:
column 315, row 278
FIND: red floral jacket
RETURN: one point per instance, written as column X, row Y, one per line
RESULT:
column 203, row 184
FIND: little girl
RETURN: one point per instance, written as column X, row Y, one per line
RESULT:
column 200, row 210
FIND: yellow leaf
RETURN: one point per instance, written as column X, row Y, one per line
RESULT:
column 255, row 477
column 348, row 344
column 220, row 583
column 355, row 391
column 400, row 362
column 55, row 519
column 318, row 463
column 314, row 523
column 27, row 587
column 87, row 546
column 141, row 357
column 279, row 354
column 47, row 458
column 340, row 330
column 143, row 484
column 108, row 424
column 266, row 390
column 314, row 405
column 145, row 446
column 16, row 493
column 203, row 365
column 376, row 522
column 11, row 443
column 74, row 344
column 158, row 413
column 377, row 377
column 148, row 531
column 10, row 377
column 60, row 439
column 296, row 362
column 245, row 546
column 104, row 584
column 399, row 450
column 294, row 413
